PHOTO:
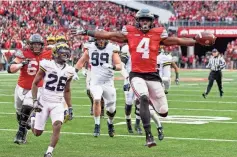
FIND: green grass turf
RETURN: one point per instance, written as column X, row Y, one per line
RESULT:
column 213, row 134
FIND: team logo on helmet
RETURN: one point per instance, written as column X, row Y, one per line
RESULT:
column 61, row 53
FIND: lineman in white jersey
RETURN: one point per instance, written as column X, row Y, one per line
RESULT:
column 104, row 59
column 57, row 76
column 130, row 97
column 165, row 61
column 88, row 78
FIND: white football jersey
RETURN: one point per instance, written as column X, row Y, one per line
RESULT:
column 164, row 60
column 55, row 80
column 125, row 51
column 97, row 58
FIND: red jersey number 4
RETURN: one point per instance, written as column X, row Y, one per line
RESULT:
column 143, row 47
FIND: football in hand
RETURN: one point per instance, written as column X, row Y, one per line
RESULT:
column 205, row 38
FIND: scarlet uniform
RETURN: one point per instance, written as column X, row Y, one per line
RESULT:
column 28, row 72
column 144, row 47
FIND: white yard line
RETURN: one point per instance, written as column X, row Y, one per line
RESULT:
column 178, row 95
column 187, row 101
column 135, row 136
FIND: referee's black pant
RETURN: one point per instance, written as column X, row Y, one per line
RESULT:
column 215, row 75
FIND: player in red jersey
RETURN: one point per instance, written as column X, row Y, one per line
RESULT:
column 27, row 61
column 143, row 41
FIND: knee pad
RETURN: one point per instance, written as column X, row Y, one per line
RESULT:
column 128, row 109
column 163, row 111
column 26, row 110
column 25, row 113
column 163, row 114
column 137, row 107
column 111, row 114
column 129, row 97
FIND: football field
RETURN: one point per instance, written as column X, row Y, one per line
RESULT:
column 195, row 127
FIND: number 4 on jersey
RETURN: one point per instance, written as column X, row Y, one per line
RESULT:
column 143, row 47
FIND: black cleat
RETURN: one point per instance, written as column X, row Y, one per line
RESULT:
column 221, row 94
column 97, row 130
column 110, row 129
column 150, row 142
column 19, row 137
column 48, row 155
column 204, row 95
column 129, row 126
column 138, row 129
column 160, row 133
column 24, row 138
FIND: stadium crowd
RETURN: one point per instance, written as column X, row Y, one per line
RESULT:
column 205, row 11
column 54, row 17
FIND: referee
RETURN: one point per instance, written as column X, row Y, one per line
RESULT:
column 216, row 64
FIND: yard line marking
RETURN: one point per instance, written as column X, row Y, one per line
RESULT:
column 134, row 136
column 173, row 119
column 187, row 101
column 185, row 95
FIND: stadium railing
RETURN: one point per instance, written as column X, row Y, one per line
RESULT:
column 178, row 23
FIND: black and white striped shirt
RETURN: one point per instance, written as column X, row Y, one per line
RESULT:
column 216, row 63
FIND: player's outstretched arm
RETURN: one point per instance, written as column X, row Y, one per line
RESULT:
column 16, row 65
column 67, row 93
column 80, row 63
column 38, row 77
column 114, row 36
column 179, row 41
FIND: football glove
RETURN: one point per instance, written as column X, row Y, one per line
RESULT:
column 70, row 113
column 177, row 81
column 108, row 66
column 78, row 31
column 75, row 76
column 37, row 106
column 26, row 61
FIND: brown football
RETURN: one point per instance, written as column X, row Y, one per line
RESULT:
column 205, row 38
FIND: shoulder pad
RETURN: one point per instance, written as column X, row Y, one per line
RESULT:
column 44, row 64
column 70, row 72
